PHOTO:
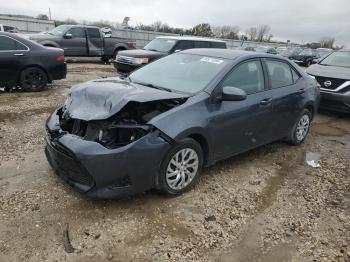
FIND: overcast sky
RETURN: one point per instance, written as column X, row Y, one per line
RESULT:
column 297, row 20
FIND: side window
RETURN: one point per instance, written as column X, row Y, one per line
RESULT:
column 295, row 75
column 7, row 44
column 183, row 45
column 77, row 32
column 218, row 45
column 280, row 73
column 247, row 76
column 93, row 33
column 201, row 44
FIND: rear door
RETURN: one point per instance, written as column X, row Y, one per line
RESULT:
column 288, row 88
column 12, row 56
column 95, row 42
column 238, row 126
column 77, row 44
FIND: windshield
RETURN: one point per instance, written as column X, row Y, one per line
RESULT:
column 160, row 45
column 341, row 59
column 184, row 73
column 59, row 30
column 324, row 52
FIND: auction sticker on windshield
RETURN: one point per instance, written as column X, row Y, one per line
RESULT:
column 212, row 60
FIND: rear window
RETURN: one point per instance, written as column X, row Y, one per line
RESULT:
column 201, row 44
column 93, row 33
column 280, row 73
column 7, row 44
column 183, row 45
column 218, row 45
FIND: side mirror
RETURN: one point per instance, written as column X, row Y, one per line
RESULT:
column 68, row 36
column 230, row 93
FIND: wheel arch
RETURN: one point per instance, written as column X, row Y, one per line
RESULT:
column 33, row 65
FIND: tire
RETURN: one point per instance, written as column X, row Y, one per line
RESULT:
column 106, row 59
column 301, row 128
column 33, row 79
column 181, row 180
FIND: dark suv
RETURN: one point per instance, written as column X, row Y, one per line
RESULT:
column 129, row 60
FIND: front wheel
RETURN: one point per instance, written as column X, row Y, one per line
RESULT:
column 301, row 128
column 33, row 79
column 181, row 167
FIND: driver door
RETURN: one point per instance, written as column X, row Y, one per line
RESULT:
column 238, row 126
column 74, row 42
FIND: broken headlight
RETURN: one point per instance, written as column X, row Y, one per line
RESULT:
column 120, row 135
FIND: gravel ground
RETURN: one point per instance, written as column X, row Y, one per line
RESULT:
column 264, row 205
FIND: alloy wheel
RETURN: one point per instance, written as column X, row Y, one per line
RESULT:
column 302, row 127
column 182, row 168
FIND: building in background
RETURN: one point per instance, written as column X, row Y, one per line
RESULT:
column 27, row 25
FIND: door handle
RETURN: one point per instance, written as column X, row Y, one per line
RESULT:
column 266, row 101
column 19, row 54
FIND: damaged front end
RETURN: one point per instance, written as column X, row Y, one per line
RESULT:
column 125, row 127
column 112, row 157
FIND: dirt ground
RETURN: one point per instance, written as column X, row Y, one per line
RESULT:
column 265, row 205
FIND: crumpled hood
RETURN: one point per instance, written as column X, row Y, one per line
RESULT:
column 101, row 99
column 329, row 71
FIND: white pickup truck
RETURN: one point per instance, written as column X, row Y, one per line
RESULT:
column 10, row 29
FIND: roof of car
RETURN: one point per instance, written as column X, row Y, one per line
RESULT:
column 191, row 38
column 227, row 53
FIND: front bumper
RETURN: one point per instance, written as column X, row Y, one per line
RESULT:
column 125, row 68
column 335, row 101
column 104, row 173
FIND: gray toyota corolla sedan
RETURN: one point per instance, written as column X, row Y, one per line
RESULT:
column 158, row 127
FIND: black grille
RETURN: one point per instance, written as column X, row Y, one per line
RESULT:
column 67, row 167
column 335, row 82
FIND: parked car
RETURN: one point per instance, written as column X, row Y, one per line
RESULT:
column 27, row 64
column 82, row 41
column 8, row 29
column 128, row 61
column 265, row 49
column 306, row 57
column 249, row 48
column 333, row 73
column 158, row 127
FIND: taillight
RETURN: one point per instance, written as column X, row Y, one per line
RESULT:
column 60, row 58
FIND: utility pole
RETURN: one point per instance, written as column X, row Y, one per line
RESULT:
column 49, row 13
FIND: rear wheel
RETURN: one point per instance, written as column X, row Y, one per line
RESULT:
column 301, row 128
column 181, row 167
column 33, row 79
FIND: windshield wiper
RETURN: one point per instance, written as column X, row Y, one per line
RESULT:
column 153, row 86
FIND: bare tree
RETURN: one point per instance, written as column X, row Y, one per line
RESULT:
column 252, row 33
column 327, row 42
column 42, row 17
column 157, row 25
column 263, row 32
column 226, row 31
